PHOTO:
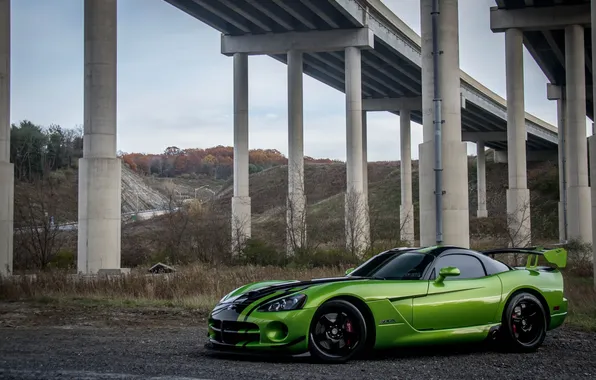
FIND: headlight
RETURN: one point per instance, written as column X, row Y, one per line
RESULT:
column 284, row 304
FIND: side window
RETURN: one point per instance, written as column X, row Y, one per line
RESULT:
column 469, row 266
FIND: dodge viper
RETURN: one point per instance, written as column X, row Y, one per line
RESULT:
column 400, row 297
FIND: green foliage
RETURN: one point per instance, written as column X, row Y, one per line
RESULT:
column 64, row 259
column 252, row 168
column 36, row 150
column 261, row 253
column 323, row 258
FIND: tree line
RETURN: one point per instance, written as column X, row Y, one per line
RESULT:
column 36, row 150
column 215, row 162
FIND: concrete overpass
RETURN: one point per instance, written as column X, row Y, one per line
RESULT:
column 391, row 61
column 391, row 67
column 559, row 36
column 543, row 24
column 357, row 46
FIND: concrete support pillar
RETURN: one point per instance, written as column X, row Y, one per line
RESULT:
column 592, row 142
column 356, row 218
column 241, row 206
column 455, row 223
column 406, row 208
column 296, row 203
column 580, row 219
column 99, row 169
column 481, row 178
column 6, row 168
column 518, row 194
column 365, row 156
column 563, row 168
column 365, row 172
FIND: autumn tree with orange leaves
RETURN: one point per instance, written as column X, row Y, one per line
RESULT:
column 215, row 162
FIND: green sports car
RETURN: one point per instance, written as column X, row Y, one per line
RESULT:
column 401, row 297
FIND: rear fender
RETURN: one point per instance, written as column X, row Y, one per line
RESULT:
column 547, row 286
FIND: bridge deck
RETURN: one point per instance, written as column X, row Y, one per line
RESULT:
column 547, row 47
column 391, row 69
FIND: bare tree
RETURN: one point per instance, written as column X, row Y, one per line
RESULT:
column 357, row 223
column 390, row 227
column 38, row 234
column 406, row 226
column 296, row 230
column 210, row 232
column 519, row 232
column 176, row 227
column 240, row 224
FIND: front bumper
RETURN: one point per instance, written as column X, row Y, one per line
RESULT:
column 284, row 332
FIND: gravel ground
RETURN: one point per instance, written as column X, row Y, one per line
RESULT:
column 155, row 349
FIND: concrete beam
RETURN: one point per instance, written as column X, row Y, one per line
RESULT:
column 539, row 18
column 484, row 136
column 311, row 41
column 554, row 92
column 392, row 104
column 500, row 156
column 398, row 104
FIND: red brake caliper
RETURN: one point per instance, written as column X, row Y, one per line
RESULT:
column 349, row 330
column 514, row 327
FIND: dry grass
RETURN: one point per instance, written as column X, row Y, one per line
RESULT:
column 582, row 301
column 199, row 287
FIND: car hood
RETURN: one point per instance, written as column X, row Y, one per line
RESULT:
column 254, row 291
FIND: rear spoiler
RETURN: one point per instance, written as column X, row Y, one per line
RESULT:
column 556, row 256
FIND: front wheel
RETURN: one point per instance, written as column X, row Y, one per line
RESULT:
column 337, row 332
column 524, row 323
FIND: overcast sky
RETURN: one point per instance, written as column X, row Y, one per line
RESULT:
column 175, row 88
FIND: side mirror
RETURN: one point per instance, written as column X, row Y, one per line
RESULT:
column 350, row 270
column 447, row 272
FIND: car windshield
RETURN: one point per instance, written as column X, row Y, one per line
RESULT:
column 409, row 265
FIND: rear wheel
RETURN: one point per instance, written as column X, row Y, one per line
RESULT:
column 337, row 332
column 524, row 323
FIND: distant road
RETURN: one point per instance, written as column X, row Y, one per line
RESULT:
column 142, row 215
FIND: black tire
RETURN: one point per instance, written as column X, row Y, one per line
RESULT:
column 523, row 326
column 337, row 333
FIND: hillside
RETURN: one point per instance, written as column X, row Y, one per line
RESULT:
column 58, row 196
column 324, row 184
column 205, row 232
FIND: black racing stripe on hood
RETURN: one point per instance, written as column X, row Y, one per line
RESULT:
column 259, row 293
column 242, row 301
column 289, row 288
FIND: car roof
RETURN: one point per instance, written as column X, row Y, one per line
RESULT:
column 437, row 250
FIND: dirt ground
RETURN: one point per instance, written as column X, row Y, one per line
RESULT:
column 75, row 342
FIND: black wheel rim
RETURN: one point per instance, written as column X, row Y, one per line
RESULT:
column 527, row 322
column 336, row 334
